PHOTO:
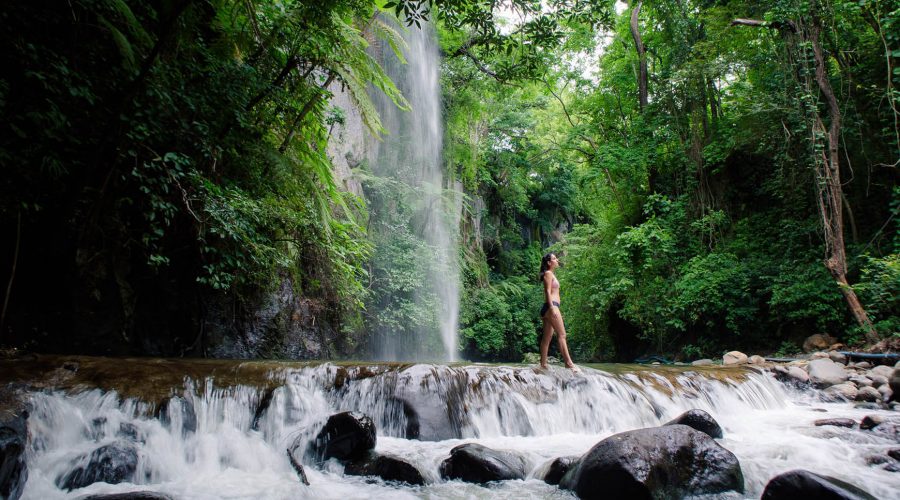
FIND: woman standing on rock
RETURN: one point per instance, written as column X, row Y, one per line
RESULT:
column 550, row 314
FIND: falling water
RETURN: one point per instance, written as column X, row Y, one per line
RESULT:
column 229, row 441
column 409, row 156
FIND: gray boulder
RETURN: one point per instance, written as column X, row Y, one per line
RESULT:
column 699, row 420
column 346, row 436
column 386, row 467
column 837, row 357
column 113, row 463
column 756, row 360
column 474, row 463
column 884, row 371
column 800, row 483
column 824, row 373
column 672, row 461
column 553, row 471
column 861, row 381
column 841, row 392
column 702, row 362
column 734, row 358
column 869, row 394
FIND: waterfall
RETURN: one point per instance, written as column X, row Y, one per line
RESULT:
column 413, row 216
column 229, row 441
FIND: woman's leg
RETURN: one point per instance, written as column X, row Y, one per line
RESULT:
column 545, row 339
column 556, row 320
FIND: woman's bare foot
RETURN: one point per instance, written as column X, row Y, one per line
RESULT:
column 544, row 367
column 574, row 368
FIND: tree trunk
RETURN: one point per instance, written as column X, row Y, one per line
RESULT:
column 642, row 56
column 830, row 189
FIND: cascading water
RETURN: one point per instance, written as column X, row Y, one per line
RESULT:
column 412, row 216
column 211, row 442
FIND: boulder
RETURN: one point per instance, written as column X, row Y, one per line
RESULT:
column 346, row 436
column 699, row 420
column 894, row 383
column 837, row 357
column 865, row 365
column 894, row 453
column 13, row 441
column 884, row 371
column 837, row 422
column 734, row 358
column 797, row 375
column 878, row 381
column 825, row 372
column 869, row 394
column 870, row 422
column 841, row 392
column 819, row 355
column 756, row 360
column 805, row 484
column 818, row 342
column 671, row 461
column 131, row 495
column 474, row 463
column 553, row 471
column 113, row 463
column 386, row 467
column 886, row 393
column 702, row 362
column 861, row 381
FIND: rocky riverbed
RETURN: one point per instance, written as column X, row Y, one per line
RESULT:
column 87, row 428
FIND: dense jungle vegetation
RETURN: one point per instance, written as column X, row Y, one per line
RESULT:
column 715, row 174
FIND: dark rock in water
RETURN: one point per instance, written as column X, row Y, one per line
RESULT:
column 892, row 467
column 129, row 432
column 558, row 468
column 386, row 467
column 894, row 453
column 870, row 422
column 346, row 436
column 837, row 422
column 132, row 495
column 298, row 467
column 13, row 436
column 261, row 408
column 474, row 463
column 894, row 384
column 178, row 410
column 671, row 461
column 699, row 420
column 800, row 483
column 113, row 463
column 400, row 407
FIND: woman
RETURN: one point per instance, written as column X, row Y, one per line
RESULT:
column 550, row 314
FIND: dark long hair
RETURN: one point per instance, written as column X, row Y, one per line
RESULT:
column 545, row 265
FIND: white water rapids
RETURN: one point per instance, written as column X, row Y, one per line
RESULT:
column 237, row 449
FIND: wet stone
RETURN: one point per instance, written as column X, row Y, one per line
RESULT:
column 836, row 422
column 113, row 464
column 386, row 467
column 699, row 420
column 474, row 463
column 558, row 467
column 132, row 495
column 345, row 436
column 800, row 483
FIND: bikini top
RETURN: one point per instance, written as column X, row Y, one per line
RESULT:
column 554, row 284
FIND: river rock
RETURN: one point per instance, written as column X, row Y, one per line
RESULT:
column 756, row 359
column 825, row 372
column 699, row 420
column 818, row 342
column 345, row 436
column 865, row 365
column 870, row 422
column 734, row 358
column 131, row 495
column 878, row 381
column 886, row 393
column 672, row 461
column 841, row 392
column 836, row 422
column 553, row 471
column 805, row 484
column 884, row 371
column 894, row 383
column 869, row 394
column 798, row 375
column 13, row 439
column 113, row 463
column 702, row 362
column 837, row 357
column 819, row 355
column 894, row 453
column 861, row 381
column 474, row 463
column 386, row 467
